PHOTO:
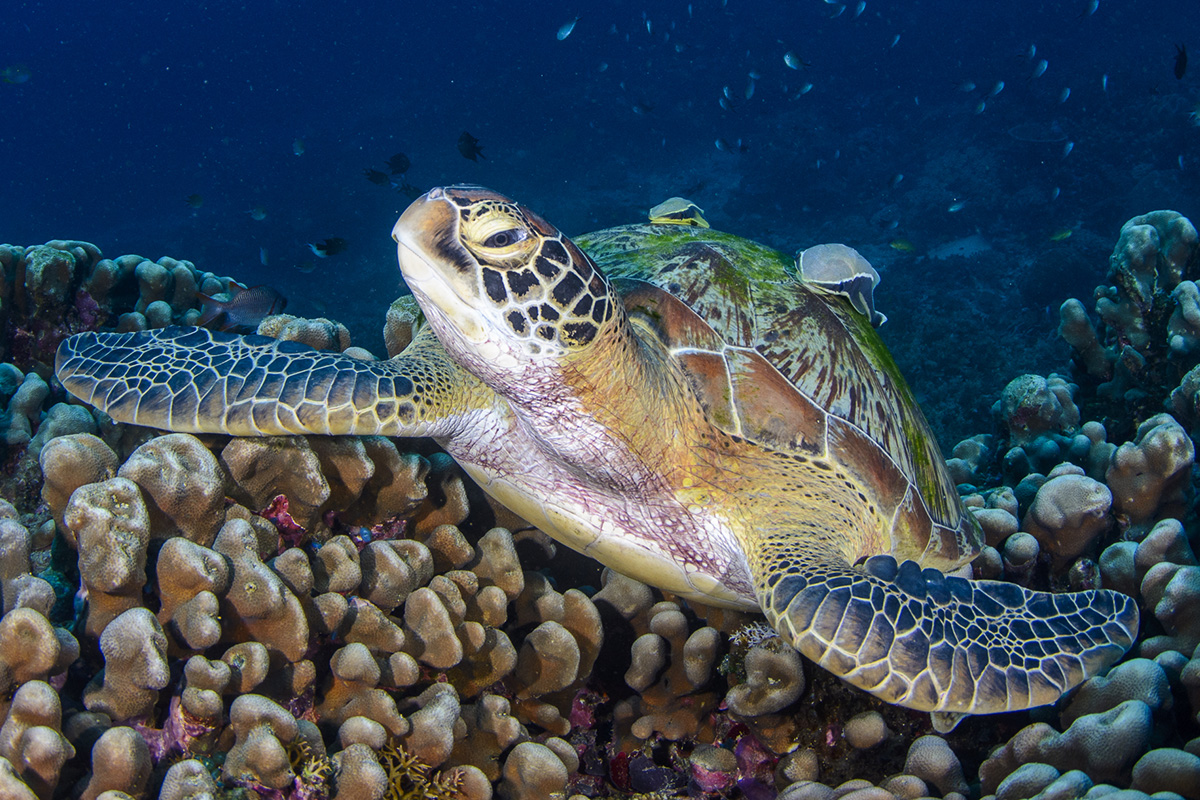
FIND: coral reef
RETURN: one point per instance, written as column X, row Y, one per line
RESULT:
column 199, row 616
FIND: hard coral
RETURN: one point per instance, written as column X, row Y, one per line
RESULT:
column 109, row 525
column 259, row 604
column 31, row 737
column 71, row 461
column 259, row 756
column 1148, row 476
column 1105, row 745
column 135, row 667
column 1068, row 514
column 183, row 486
column 120, row 762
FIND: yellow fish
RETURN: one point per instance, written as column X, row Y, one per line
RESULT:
column 903, row 245
column 1062, row 235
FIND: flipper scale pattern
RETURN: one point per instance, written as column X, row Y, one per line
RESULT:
column 194, row 380
column 935, row 643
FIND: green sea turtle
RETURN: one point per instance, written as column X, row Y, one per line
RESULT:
column 674, row 402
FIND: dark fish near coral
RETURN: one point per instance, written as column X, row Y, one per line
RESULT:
column 245, row 308
column 399, row 164
column 1180, row 61
column 408, row 190
column 194, row 200
column 328, row 247
column 469, row 146
column 375, row 176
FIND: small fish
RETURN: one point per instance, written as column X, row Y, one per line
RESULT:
column 728, row 94
column 1064, row 94
column 1180, row 61
column 997, row 89
column 194, row 200
column 408, row 190
column 689, row 10
column 245, row 307
column 1039, row 69
column 565, row 29
column 956, row 206
column 649, row 27
column 641, row 108
column 1067, row 148
column 679, row 48
column 724, row 103
column 754, row 74
column 894, row 181
column 258, row 213
column 1054, row 195
column 895, row 40
column 1091, row 9
column 903, row 245
column 966, row 86
column 722, row 145
column 470, row 148
column 860, row 8
column 399, row 164
column 837, row 12
column 262, row 256
column 1031, row 52
column 15, row 74
column 1104, row 82
column 328, row 247
column 306, row 266
column 1180, row 161
column 726, row 146
column 980, row 106
column 794, row 61
column 805, row 89
column 375, row 176
column 1061, row 235
column 603, row 67
column 298, row 147
column 749, row 89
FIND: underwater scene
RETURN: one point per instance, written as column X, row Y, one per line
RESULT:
column 718, row 399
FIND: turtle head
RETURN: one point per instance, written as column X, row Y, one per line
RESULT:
column 496, row 280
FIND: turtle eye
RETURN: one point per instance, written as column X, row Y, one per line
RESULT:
column 502, row 239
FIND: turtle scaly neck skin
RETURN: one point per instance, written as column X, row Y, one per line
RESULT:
column 516, row 303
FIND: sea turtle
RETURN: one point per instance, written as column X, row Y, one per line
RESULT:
column 676, row 403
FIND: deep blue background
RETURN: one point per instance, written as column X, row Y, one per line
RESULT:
column 133, row 106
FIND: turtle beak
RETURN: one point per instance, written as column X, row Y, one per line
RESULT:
column 436, row 267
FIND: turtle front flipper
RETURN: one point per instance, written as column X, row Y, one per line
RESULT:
column 919, row 639
column 193, row 380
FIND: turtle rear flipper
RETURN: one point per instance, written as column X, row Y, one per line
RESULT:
column 193, row 380
column 922, row 640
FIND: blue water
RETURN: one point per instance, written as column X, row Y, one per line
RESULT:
column 129, row 108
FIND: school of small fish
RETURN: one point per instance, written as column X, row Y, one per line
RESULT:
column 807, row 68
